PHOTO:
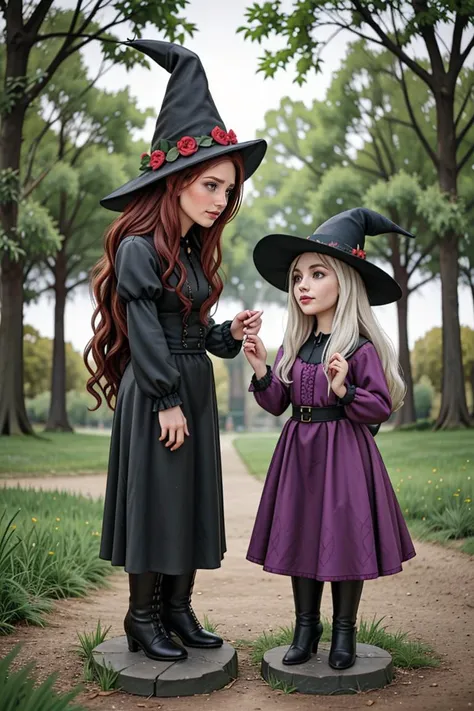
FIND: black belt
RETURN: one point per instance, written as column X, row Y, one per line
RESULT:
column 319, row 414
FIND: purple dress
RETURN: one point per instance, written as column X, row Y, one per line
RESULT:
column 328, row 510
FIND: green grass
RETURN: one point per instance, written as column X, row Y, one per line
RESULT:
column 406, row 653
column 106, row 676
column 432, row 474
column 49, row 549
column 54, row 453
column 19, row 690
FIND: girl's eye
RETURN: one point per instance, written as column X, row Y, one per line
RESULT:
column 211, row 186
column 296, row 278
column 318, row 275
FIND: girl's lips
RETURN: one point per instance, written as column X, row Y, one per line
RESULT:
column 213, row 214
column 305, row 299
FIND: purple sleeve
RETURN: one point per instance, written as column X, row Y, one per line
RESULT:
column 270, row 393
column 367, row 399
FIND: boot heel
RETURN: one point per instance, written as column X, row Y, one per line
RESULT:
column 132, row 645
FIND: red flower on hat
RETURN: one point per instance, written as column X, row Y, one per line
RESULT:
column 187, row 145
column 232, row 137
column 359, row 253
column 220, row 136
column 157, row 159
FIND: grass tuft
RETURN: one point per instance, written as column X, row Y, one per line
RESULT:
column 406, row 653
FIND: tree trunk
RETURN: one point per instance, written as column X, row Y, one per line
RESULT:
column 57, row 417
column 406, row 415
column 453, row 412
column 13, row 417
column 237, row 394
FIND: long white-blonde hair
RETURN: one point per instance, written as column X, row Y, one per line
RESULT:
column 353, row 318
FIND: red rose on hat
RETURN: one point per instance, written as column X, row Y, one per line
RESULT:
column 157, row 159
column 232, row 137
column 220, row 136
column 187, row 146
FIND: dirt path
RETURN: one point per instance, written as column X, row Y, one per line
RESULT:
column 432, row 599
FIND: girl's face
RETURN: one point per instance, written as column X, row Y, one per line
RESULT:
column 315, row 285
column 203, row 200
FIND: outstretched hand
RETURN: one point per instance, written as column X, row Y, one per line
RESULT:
column 246, row 323
column 256, row 354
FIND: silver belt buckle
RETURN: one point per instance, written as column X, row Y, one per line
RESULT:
column 305, row 414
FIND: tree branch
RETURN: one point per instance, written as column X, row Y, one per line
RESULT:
column 465, row 159
column 84, row 280
column 415, row 124
column 37, row 16
column 424, row 253
column 3, row 6
column 464, row 104
column 391, row 45
column 465, row 131
column 428, row 34
column 421, row 283
column 455, row 55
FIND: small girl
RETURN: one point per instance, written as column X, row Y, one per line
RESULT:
column 328, row 511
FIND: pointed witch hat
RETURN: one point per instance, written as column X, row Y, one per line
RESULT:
column 189, row 129
column 342, row 237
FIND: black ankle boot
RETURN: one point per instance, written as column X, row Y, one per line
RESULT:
column 178, row 616
column 142, row 623
column 345, row 598
column 307, row 594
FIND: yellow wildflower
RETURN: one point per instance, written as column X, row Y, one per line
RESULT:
column 467, row 501
column 429, row 481
column 58, row 519
column 434, row 470
column 50, row 552
column 456, row 494
column 35, row 520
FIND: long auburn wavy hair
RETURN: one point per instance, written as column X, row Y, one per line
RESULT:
column 155, row 211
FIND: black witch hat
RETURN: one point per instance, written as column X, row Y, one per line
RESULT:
column 342, row 237
column 189, row 129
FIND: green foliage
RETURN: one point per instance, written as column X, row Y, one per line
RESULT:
column 49, row 546
column 423, row 394
column 426, row 355
column 88, row 641
column 298, row 27
column 19, row 691
column 37, row 364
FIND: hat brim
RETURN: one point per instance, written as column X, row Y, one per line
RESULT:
column 252, row 152
column 274, row 254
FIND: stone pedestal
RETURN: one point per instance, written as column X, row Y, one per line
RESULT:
column 202, row 672
column 373, row 670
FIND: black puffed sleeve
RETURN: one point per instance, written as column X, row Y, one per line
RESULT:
column 139, row 285
column 220, row 341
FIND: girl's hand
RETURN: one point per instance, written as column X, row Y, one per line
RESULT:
column 256, row 354
column 174, row 426
column 338, row 367
column 246, row 323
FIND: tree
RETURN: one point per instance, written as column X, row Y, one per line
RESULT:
column 26, row 26
column 84, row 158
column 38, row 357
column 332, row 152
column 248, row 291
column 396, row 27
column 426, row 360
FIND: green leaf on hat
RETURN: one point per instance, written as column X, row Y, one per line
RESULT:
column 172, row 155
column 163, row 145
column 205, row 141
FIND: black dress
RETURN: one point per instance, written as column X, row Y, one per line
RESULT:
column 164, row 510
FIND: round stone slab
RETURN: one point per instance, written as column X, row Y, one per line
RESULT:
column 204, row 670
column 373, row 670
